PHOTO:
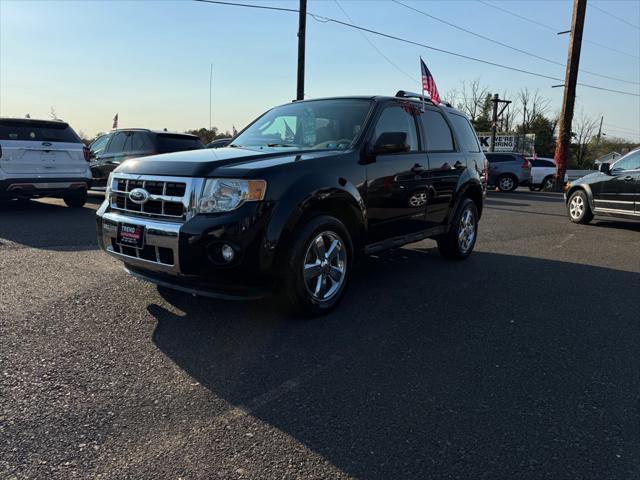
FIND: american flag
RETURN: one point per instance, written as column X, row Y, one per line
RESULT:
column 115, row 122
column 428, row 83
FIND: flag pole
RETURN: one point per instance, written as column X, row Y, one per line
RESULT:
column 422, row 82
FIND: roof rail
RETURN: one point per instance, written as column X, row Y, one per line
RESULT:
column 426, row 97
column 404, row 94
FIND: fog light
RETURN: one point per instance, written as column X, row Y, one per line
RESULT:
column 227, row 253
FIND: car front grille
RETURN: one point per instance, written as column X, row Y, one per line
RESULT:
column 169, row 198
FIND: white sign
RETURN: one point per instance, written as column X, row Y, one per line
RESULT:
column 504, row 143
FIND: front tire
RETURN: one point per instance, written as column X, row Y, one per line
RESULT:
column 458, row 242
column 507, row 183
column 578, row 208
column 75, row 199
column 318, row 266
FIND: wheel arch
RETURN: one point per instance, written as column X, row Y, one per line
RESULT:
column 585, row 188
column 335, row 197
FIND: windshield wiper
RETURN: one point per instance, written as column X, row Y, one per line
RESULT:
column 281, row 145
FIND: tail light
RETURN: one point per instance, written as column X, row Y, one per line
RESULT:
column 85, row 151
column 526, row 163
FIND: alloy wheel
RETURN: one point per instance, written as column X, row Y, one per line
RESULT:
column 466, row 230
column 506, row 183
column 576, row 207
column 325, row 265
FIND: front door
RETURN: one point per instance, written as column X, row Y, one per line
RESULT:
column 616, row 193
column 396, row 193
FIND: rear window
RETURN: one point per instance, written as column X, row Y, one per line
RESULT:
column 168, row 143
column 466, row 134
column 494, row 158
column 38, row 131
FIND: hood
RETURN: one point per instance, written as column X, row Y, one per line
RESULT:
column 228, row 161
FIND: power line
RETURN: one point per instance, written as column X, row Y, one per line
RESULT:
column 614, row 16
column 373, row 45
column 623, row 128
column 554, row 29
column 507, row 45
column 324, row 19
column 248, row 5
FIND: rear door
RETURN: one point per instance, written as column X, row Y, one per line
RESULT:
column 40, row 147
column 446, row 164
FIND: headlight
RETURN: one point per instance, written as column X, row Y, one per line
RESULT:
column 107, row 190
column 226, row 194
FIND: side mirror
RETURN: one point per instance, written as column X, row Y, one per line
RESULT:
column 391, row 142
column 605, row 168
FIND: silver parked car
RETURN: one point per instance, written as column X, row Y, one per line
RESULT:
column 507, row 171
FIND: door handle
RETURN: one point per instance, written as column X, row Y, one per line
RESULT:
column 417, row 168
column 628, row 178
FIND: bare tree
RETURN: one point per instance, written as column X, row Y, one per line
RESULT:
column 584, row 128
column 473, row 97
column 453, row 96
column 533, row 104
column 53, row 114
column 509, row 115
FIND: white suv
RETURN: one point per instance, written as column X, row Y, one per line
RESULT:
column 43, row 158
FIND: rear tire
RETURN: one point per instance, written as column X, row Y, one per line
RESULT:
column 548, row 184
column 458, row 242
column 318, row 266
column 75, row 199
column 578, row 208
column 507, row 183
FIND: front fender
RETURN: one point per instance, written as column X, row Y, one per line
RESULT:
column 587, row 189
column 309, row 193
column 468, row 186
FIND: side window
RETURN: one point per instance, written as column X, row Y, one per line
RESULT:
column 630, row 162
column 438, row 134
column 466, row 133
column 98, row 146
column 397, row 119
column 117, row 144
column 547, row 163
column 140, row 142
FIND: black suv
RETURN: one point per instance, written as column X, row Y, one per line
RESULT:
column 288, row 205
column 613, row 191
column 109, row 150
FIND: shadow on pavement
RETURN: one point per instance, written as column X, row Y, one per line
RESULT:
column 631, row 225
column 527, row 195
column 496, row 367
column 49, row 225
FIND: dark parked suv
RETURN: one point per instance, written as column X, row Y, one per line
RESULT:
column 507, row 171
column 111, row 149
column 613, row 191
column 288, row 205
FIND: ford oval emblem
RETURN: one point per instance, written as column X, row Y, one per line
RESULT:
column 139, row 196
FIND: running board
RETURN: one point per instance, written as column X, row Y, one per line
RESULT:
column 401, row 240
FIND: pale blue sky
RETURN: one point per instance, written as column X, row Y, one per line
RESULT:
column 149, row 61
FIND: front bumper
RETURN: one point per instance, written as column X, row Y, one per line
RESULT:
column 178, row 254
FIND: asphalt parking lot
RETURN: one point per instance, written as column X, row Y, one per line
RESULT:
column 521, row 363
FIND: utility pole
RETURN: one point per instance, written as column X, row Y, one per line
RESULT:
column 494, row 122
column 302, row 31
column 568, row 101
column 494, row 118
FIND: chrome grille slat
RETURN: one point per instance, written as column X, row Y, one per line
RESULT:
column 158, row 206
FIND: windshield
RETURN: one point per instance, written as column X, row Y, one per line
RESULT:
column 319, row 124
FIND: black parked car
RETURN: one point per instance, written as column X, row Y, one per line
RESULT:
column 613, row 191
column 298, row 193
column 219, row 143
column 109, row 150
